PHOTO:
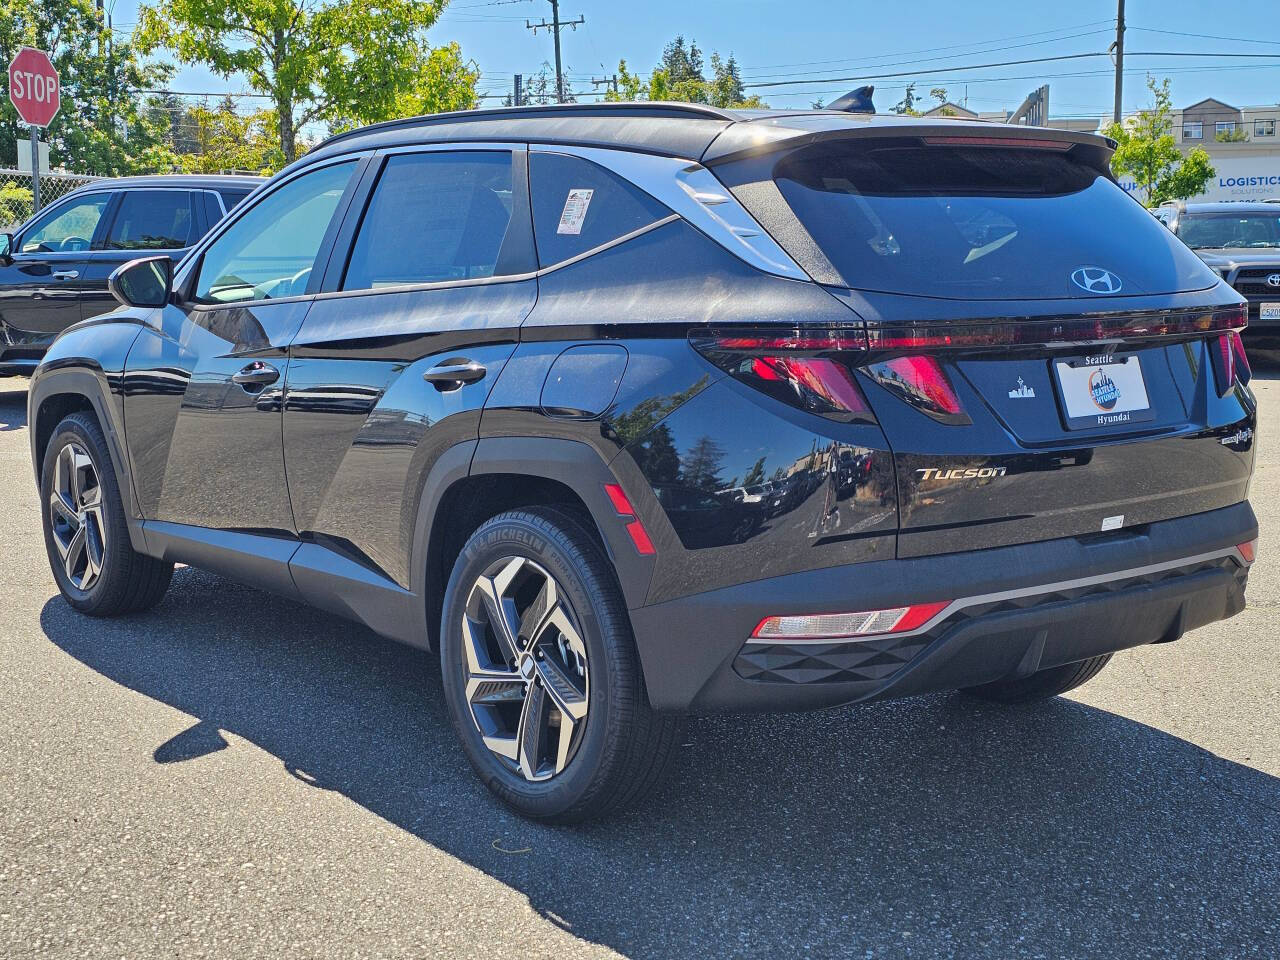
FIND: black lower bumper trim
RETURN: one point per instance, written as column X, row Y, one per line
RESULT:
column 697, row 658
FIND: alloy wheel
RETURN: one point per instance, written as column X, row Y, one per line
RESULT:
column 526, row 672
column 75, row 516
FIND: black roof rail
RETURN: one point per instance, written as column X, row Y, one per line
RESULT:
column 644, row 108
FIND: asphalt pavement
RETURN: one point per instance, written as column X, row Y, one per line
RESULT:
column 233, row 775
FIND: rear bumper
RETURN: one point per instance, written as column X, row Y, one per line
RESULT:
column 1018, row 609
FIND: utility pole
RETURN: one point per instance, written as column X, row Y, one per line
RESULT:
column 517, row 91
column 1119, row 49
column 555, row 26
column 610, row 82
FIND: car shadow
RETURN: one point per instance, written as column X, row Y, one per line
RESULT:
column 13, row 404
column 934, row 826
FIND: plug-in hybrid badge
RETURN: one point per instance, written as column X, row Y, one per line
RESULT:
column 1095, row 280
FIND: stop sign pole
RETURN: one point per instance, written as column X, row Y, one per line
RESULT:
column 35, row 93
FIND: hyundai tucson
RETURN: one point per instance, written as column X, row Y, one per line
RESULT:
column 632, row 412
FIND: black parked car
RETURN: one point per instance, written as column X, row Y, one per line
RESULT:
column 54, row 268
column 480, row 381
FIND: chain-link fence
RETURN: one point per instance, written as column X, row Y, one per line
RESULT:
column 15, row 193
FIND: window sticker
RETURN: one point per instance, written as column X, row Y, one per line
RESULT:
column 575, row 211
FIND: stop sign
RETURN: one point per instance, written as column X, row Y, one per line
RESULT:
column 33, row 87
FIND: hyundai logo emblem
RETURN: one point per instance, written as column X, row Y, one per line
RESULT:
column 1273, row 280
column 1095, row 280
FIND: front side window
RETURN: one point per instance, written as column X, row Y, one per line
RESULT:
column 578, row 206
column 152, row 220
column 1193, row 131
column 67, row 230
column 270, row 251
column 1264, row 128
column 432, row 218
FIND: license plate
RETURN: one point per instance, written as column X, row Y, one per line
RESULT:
column 1103, row 391
column 1269, row 311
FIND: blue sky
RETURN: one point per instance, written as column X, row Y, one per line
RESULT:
column 823, row 38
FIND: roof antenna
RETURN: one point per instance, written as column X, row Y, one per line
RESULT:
column 858, row 101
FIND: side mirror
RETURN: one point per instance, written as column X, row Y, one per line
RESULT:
column 6, row 246
column 143, row 283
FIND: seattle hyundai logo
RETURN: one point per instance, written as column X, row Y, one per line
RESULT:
column 1273, row 280
column 1095, row 280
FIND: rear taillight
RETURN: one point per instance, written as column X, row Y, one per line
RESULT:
column 921, row 382
column 805, row 369
column 1230, row 365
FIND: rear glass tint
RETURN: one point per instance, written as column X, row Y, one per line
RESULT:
column 579, row 205
column 976, row 222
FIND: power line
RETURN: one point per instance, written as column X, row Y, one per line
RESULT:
column 1004, row 63
column 1206, row 36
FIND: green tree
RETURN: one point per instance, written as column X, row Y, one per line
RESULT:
column 680, row 76
column 336, row 62
column 907, row 105
column 224, row 140
column 1147, row 152
column 102, row 126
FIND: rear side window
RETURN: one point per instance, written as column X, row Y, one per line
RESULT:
column 231, row 197
column 975, row 222
column 152, row 220
column 433, row 217
column 579, row 205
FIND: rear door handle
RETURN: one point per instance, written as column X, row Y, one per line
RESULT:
column 453, row 373
column 65, row 274
column 257, row 374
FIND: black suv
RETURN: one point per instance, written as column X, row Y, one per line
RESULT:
column 635, row 411
column 1241, row 241
column 54, row 268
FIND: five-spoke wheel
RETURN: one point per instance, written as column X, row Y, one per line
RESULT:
column 541, row 672
column 75, row 515
column 527, row 681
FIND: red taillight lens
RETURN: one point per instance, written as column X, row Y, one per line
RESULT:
column 1244, row 373
column 1247, row 550
column 1224, row 362
column 805, row 369
column 923, row 383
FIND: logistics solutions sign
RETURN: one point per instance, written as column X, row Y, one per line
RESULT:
column 1238, row 178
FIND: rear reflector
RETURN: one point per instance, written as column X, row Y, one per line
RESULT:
column 835, row 626
column 635, row 529
column 1247, row 550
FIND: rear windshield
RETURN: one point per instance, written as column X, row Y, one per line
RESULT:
column 1256, row 230
column 976, row 222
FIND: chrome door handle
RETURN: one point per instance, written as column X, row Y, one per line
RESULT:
column 453, row 373
column 65, row 274
column 256, row 374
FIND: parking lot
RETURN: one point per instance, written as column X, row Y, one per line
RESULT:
column 234, row 775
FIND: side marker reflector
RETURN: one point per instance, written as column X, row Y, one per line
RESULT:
column 635, row 529
column 1248, row 550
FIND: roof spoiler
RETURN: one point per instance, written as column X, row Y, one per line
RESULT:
column 856, row 101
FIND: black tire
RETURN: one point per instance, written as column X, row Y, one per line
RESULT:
column 1042, row 684
column 125, row 581
column 624, row 748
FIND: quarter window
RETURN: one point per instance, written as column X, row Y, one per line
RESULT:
column 579, row 205
column 1193, row 131
column 270, row 251
column 70, row 229
column 433, row 217
column 152, row 220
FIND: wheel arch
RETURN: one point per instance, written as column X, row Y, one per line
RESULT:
column 506, row 473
